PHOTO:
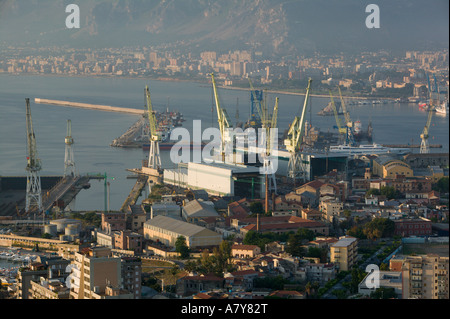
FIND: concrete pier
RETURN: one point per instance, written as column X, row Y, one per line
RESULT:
column 90, row 106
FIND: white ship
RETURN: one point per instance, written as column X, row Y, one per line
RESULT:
column 442, row 108
column 367, row 149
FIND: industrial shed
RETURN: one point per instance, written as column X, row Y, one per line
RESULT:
column 166, row 230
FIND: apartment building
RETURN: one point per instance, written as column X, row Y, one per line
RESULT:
column 331, row 209
column 49, row 289
column 132, row 275
column 128, row 240
column 97, row 275
column 320, row 272
column 344, row 252
column 113, row 221
column 413, row 227
column 53, row 268
column 425, row 277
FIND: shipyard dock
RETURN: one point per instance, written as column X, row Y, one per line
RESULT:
column 56, row 191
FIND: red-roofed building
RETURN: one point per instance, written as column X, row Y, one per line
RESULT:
column 279, row 224
column 191, row 285
column 287, row 294
column 311, row 187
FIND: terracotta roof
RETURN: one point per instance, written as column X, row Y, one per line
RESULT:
column 203, row 278
column 244, row 247
column 244, row 273
column 286, row 293
column 314, row 184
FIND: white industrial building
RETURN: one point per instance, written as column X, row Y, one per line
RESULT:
column 218, row 178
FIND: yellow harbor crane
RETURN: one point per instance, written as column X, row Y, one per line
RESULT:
column 348, row 122
column 434, row 99
column 223, row 119
column 154, row 158
column 269, row 124
column 294, row 140
column 342, row 130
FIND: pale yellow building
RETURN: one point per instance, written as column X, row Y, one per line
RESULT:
column 49, row 289
column 425, row 277
column 331, row 209
column 97, row 275
column 344, row 252
column 386, row 166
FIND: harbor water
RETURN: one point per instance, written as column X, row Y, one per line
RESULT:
column 94, row 130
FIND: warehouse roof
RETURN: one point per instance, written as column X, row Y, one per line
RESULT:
column 197, row 208
column 174, row 225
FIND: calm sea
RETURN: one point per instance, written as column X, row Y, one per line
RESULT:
column 93, row 130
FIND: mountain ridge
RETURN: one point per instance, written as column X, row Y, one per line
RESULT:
column 275, row 27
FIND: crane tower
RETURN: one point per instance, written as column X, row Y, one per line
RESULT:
column 34, row 193
column 154, row 157
column 294, row 140
column 424, row 146
column 69, row 162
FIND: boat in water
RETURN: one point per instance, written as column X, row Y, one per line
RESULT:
column 328, row 110
column 367, row 149
column 442, row 108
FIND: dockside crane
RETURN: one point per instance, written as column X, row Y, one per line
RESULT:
column 34, row 192
column 424, row 146
column 223, row 119
column 350, row 140
column 294, row 140
column 69, row 162
column 342, row 130
column 256, row 99
column 269, row 125
column 154, row 157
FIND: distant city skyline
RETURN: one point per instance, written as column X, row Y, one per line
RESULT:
column 273, row 27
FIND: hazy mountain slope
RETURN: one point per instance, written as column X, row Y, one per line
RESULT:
column 272, row 26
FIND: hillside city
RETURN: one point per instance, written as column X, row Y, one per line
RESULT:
column 368, row 74
column 311, row 240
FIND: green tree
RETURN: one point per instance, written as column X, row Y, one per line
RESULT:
column 256, row 208
column 384, row 266
column 383, row 293
column 294, row 246
column 357, row 275
column 356, row 231
column 306, row 234
column 379, row 228
column 271, row 282
column 373, row 191
column 442, row 185
column 390, row 192
column 181, row 247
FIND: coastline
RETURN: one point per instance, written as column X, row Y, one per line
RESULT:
column 167, row 79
